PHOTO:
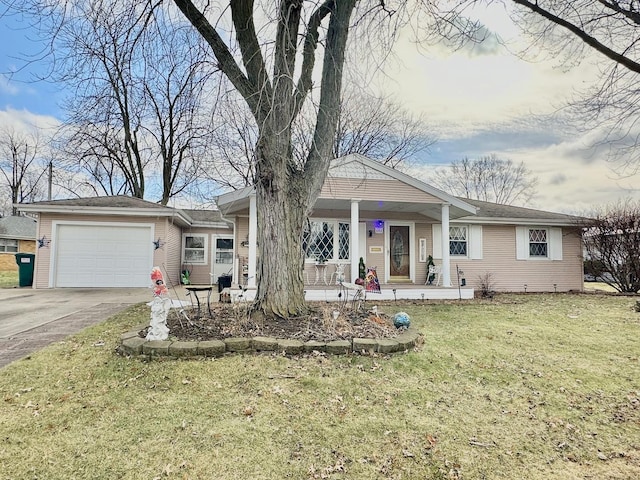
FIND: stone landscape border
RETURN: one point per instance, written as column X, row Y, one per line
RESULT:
column 132, row 344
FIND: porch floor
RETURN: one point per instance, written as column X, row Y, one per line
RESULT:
column 329, row 293
column 393, row 291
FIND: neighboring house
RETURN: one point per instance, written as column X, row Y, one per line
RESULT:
column 365, row 210
column 17, row 235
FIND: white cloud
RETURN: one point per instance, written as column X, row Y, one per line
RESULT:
column 24, row 120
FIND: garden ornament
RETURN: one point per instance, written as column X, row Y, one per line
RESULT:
column 160, row 306
column 401, row 320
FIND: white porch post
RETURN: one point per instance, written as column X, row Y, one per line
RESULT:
column 446, row 263
column 253, row 240
column 354, row 232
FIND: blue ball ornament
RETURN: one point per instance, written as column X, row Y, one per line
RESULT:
column 401, row 320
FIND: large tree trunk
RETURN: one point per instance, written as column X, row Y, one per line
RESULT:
column 281, row 202
column 285, row 191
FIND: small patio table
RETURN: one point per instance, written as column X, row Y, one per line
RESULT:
column 201, row 288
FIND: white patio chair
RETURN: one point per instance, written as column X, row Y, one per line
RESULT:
column 337, row 276
column 436, row 271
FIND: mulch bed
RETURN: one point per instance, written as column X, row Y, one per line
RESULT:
column 320, row 324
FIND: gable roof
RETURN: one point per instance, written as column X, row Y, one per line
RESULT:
column 18, row 228
column 125, row 205
column 206, row 218
column 489, row 212
column 359, row 167
column 118, row 205
column 356, row 165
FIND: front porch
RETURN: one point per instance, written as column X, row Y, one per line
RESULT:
column 388, row 291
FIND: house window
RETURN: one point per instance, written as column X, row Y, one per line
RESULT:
column 538, row 244
column 8, row 246
column 195, row 249
column 326, row 240
column 458, row 241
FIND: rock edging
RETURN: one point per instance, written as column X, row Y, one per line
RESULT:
column 132, row 344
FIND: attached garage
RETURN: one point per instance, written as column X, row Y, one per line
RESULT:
column 102, row 255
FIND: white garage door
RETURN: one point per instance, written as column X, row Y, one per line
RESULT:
column 103, row 256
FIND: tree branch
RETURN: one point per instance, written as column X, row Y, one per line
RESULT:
column 226, row 62
column 582, row 35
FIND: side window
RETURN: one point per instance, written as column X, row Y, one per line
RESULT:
column 195, row 249
column 538, row 243
column 458, row 241
column 8, row 246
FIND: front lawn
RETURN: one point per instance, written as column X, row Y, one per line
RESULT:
column 525, row 386
column 8, row 279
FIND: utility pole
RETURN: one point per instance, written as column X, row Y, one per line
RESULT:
column 50, row 180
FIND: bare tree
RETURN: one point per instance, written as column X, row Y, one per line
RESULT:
column 136, row 112
column 489, row 179
column 270, row 53
column 20, row 166
column 612, row 245
column 274, row 72
column 571, row 29
column 372, row 126
column 285, row 189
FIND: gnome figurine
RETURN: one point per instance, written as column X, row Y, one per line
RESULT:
column 160, row 306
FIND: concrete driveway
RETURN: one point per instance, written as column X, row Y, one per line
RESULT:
column 31, row 319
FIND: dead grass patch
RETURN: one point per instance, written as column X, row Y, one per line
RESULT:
column 529, row 386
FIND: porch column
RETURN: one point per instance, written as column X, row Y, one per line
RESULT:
column 253, row 240
column 446, row 263
column 354, row 242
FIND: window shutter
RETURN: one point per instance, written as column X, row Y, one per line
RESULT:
column 436, row 230
column 475, row 242
column 522, row 243
column 555, row 243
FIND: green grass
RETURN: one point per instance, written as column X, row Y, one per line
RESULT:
column 8, row 279
column 526, row 386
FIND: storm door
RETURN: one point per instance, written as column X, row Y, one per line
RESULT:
column 399, row 252
column 222, row 257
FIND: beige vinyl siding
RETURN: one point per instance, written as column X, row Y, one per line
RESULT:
column 43, row 257
column 423, row 230
column 509, row 274
column 45, row 225
column 201, row 274
column 172, row 252
column 374, row 189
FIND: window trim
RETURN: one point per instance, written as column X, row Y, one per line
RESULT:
column 335, row 223
column 205, row 248
column 466, row 241
column 547, row 243
column 554, row 243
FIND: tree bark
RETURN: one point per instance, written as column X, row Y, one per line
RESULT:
column 285, row 190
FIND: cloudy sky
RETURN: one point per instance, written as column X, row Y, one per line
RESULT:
column 478, row 101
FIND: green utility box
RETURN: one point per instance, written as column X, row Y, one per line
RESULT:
column 26, row 262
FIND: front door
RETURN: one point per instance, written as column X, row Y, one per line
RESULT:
column 222, row 257
column 399, row 252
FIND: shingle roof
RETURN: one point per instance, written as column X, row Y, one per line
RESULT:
column 204, row 216
column 498, row 211
column 18, row 228
column 120, row 201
